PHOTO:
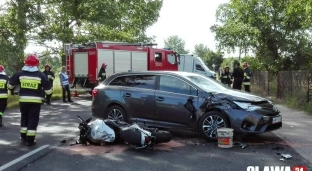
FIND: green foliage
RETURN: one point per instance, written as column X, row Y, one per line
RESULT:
column 278, row 32
column 177, row 44
column 209, row 57
column 200, row 50
column 43, row 21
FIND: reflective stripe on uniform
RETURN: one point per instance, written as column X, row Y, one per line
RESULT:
column 247, row 77
column 23, row 130
column 38, row 79
column 3, row 95
column 224, row 76
column 48, row 92
column 30, row 99
column 31, row 133
column 1, row 113
column 246, row 83
column 10, row 86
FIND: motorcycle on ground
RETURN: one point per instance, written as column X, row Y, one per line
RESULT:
column 113, row 131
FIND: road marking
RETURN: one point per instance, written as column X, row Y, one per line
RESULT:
column 23, row 157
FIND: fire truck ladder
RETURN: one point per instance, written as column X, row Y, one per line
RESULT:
column 119, row 43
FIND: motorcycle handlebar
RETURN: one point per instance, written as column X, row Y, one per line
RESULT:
column 80, row 118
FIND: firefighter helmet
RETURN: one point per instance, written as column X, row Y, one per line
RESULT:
column 226, row 67
column 104, row 65
column 1, row 68
column 245, row 65
column 31, row 60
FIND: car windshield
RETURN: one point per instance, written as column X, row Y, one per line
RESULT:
column 207, row 84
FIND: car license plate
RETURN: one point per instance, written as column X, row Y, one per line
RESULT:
column 277, row 120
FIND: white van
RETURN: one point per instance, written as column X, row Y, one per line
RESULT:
column 193, row 63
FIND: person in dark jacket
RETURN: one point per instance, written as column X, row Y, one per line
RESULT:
column 31, row 81
column 50, row 75
column 226, row 77
column 3, row 92
column 238, row 75
column 247, row 76
column 102, row 73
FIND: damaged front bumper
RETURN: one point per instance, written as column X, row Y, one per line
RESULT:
column 254, row 122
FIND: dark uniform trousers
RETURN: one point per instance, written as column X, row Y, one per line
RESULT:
column 29, row 120
column 3, row 105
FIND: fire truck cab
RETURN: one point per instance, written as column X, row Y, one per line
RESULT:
column 84, row 61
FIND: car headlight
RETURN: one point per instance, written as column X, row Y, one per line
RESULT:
column 247, row 106
column 275, row 108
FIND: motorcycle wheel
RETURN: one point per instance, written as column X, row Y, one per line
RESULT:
column 162, row 136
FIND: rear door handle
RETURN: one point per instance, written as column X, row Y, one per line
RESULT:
column 160, row 99
column 127, row 95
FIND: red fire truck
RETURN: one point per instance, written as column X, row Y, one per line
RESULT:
column 84, row 61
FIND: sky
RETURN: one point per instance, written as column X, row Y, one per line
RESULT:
column 189, row 19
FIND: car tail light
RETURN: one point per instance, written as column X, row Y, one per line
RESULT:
column 95, row 92
column 147, row 140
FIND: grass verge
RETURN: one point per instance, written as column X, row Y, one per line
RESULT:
column 298, row 101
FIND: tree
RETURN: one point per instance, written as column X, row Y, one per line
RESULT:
column 200, row 50
column 96, row 20
column 215, row 58
column 177, row 44
column 273, row 30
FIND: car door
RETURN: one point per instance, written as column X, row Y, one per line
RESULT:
column 138, row 95
column 176, row 102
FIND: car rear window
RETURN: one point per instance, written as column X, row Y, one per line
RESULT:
column 119, row 81
column 137, row 81
column 141, row 81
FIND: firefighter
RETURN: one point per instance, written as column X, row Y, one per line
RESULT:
column 247, row 75
column 65, row 85
column 50, row 75
column 226, row 77
column 238, row 75
column 3, row 92
column 102, row 73
column 31, row 82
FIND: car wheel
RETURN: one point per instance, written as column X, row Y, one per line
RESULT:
column 210, row 122
column 116, row 113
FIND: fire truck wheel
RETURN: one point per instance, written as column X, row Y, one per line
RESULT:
column 115, row 112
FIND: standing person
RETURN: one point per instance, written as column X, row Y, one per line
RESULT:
column 238, row 74
column 226, row 77
column 247, row 75
column 31, row 82
column 3, row 92
column 102, row 73
column 65, row 85
column 50, row 75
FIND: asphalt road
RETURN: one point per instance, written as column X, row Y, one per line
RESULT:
column 185, row 152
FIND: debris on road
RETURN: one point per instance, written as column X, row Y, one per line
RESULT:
column 286, row 156
column 240, row 144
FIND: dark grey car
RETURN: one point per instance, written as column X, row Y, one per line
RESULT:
column 183, row 100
